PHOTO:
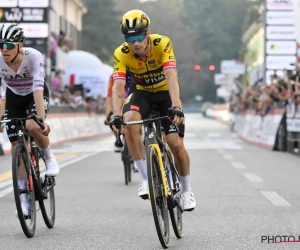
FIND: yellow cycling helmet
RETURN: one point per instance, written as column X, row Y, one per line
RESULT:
column 134, row 22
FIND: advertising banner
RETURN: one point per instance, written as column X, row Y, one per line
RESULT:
column 280, row 37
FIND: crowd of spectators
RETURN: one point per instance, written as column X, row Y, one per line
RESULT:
column 264, row 97
column 59, row 41
column 74, row 96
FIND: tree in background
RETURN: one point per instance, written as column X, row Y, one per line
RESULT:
column 101, row 30
column 217, row 28
column 203, row 32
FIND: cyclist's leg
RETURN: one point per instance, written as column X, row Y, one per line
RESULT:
column 41, row 140
column 15, row 107
column 137, row 107
column 181, row 156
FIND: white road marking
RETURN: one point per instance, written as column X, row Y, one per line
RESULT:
column 6, row 191
column 190, row 135
column 212, row 144
column 276, row 199
column 10, row 189
column 213, row 135
column 238, row 165
column 228, row 157
column 5, row 183
column 253, row 177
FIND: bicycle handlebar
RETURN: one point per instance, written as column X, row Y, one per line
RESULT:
column 120, row 144
column 34, row 117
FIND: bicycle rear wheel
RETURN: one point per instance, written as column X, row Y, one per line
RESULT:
column 21, row 157
column 175, row 213
column 47, row 205
column 158, row 200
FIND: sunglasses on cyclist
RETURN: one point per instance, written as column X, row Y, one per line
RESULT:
column 138, row 38
column 8, row 46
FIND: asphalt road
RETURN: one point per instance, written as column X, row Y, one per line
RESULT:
column 245, row 196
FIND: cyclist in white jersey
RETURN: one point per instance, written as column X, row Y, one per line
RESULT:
column 22, row 93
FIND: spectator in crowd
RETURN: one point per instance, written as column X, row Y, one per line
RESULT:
column 279, row 93
column 53, row 48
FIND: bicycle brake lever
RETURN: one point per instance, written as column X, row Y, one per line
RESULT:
column 118, row 142
column 38, row 120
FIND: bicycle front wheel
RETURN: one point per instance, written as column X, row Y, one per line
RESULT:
column 126, row 163
column 158, row 200
column 24, row 190
column 175, row 212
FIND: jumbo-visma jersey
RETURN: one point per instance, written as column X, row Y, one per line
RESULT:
column 148, row 76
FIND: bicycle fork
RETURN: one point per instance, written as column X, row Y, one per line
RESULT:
column 162, row 170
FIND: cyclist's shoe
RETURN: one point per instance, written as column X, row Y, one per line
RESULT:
column 25, row 208
column 52, row 166
column 186, row 200
column 143, row 190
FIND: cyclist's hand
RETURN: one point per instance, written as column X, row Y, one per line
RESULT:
column 45, row 131
column 116, row 123
column 176, row 115
column 107, row 121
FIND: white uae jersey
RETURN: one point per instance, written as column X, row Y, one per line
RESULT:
column 29, row 77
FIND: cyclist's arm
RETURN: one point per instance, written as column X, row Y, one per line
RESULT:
column 2, row 112
column 38, row 84
column 108, row 105
column 118, row 96
column 3, row 98
column 169, row 67
column 173, row 85
column 119, row 78
column 109, row 98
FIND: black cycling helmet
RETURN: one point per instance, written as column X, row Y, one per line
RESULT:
column 11, row 33
column 134, row 22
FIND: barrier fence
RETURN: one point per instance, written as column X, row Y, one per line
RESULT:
column 67, row 127
column 278, row 130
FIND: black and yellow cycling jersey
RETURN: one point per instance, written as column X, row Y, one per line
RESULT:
column 148, row 76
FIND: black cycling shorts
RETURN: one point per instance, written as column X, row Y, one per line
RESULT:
column 141, row 102
column 20, row 107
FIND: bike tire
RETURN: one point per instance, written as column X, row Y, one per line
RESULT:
column 129, row 169
column 175, row 213
column 126, row 162
column 48, row 216
column 157, row 198
column 20, row 152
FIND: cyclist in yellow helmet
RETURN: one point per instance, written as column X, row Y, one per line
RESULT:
column 150, row 59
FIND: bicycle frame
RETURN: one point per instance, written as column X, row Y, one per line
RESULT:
column 40, row 193
column 153, row 139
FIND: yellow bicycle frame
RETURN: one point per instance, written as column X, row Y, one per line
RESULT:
column 161, row 167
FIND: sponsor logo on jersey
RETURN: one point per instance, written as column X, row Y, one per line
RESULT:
column 125, row 49
column 116, row 59
column 151, row 62
column 134, row 107
column 167, row 46
column 18, row 77
column 128, row 99
column 156, row 41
